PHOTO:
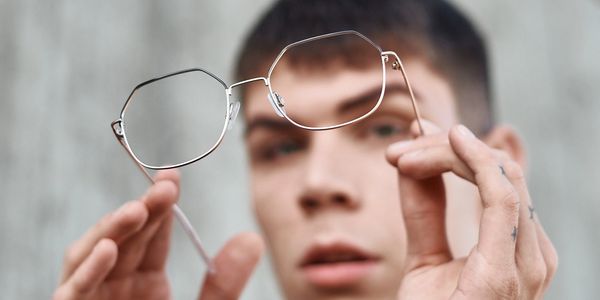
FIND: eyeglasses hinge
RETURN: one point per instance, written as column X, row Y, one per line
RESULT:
column 117, row 127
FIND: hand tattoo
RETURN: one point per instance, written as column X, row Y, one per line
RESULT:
column 531, row 211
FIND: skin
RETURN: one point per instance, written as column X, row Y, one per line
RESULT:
column 436, row 210
column 319, row 169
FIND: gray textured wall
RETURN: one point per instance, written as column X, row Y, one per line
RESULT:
column 66, row 66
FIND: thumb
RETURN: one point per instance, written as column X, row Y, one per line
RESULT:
column 423, row 208
column 233, row 266
column 423, row 205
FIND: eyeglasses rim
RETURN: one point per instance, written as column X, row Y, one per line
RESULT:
column 118, row 125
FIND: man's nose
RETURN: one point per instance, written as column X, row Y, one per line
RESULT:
column 328, row 181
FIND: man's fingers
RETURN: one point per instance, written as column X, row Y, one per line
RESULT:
column 163, row 194
column 157, row 249
column 434, row 138
column 121, row 224
column 116, row 226
column 96, row 266
column 424, row 208
column 509, row 240
column 499, row 221
column 529, row 259
column 549, row 254
column 91, row 273
column 234, row 265
column 423, row 201
column 434, row 161
column 429, row 128
column 169, row 174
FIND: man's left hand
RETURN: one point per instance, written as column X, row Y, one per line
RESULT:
column 513, row 258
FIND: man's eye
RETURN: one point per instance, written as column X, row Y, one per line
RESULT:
column 286, row 148
column 280, row 150
column 387, row 130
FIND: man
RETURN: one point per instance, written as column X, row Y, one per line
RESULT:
column 358, row 212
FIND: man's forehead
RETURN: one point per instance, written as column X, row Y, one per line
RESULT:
column 322, row 87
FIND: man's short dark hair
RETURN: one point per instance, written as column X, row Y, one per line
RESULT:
column 432, row 30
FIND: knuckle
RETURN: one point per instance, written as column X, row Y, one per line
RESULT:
column 478, row 153
column 501, row 155
column 484, row 156
column 513, row 170
column 536, row 273
column 510, row 201
column 506, row 286
column 421, row 214
column 552, row 262
column 513, row 287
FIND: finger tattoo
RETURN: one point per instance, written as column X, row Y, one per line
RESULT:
column 514, row 233
column 502, row 170
column 531, row 211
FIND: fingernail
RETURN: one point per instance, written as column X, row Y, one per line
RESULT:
column 464, row 131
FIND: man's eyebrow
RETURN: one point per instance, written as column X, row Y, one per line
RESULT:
column 268, row 123
column 371, row 95
column 347, row 105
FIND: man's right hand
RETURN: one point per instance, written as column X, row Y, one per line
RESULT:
column 124, row 255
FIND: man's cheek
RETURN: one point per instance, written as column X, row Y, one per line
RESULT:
column 273, row 211
column 282, row 226
column 261, row 211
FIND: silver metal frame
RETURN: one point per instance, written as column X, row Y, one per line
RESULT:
column 119, row 126
column 384, row 58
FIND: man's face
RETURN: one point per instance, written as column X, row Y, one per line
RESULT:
column 328, row 202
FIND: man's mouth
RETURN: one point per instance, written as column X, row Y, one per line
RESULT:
column 337, row 264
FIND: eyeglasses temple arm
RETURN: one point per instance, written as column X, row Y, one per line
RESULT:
column 397, row 65
column 413, row 101
column 180, row 215
column 187, row 228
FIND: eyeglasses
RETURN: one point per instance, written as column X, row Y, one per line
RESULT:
column 157, row 111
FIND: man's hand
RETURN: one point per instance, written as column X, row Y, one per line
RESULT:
column 124, row 255
column 513, row 259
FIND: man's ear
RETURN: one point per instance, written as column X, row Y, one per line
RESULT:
column 505, row 138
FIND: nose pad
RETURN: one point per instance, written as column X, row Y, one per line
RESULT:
column 396, row 65
column 277, row 103
column 234, row 109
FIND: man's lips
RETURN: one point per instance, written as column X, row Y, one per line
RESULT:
column 337, row 264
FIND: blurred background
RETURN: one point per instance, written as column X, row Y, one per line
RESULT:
column 67, row 66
